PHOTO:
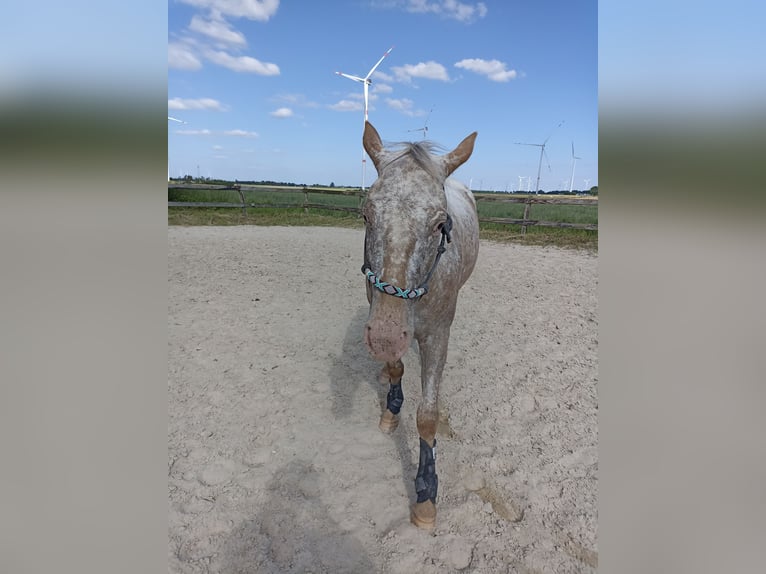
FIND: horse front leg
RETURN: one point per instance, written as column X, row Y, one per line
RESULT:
column 433, row 354
column 392, row 374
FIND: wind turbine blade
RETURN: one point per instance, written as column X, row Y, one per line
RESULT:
column 367, row 77
column 553, row 130
column 176, row 120
column 350, row 77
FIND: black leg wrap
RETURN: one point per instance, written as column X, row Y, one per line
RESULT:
column 395, row 398
column 426, row 482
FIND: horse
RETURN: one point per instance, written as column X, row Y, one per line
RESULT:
column 421, row 230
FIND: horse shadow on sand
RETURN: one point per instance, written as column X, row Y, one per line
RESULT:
column 353, row 371
column 292, row 532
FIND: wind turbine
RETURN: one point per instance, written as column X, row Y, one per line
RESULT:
column 366, row 81
column 542, row 152
column 587, row 181
column 180, row 122
column 424, row 129
column 574, row 163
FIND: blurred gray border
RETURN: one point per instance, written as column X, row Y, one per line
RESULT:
column 681, row 280
column 83, row 343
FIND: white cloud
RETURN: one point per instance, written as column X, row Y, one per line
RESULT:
column 217, row 147
column 493, row 69
column 211, row 36
column 402, row 105
column 382, row 88
column 181, row 57
column 347, row 106
column 460, row 11
column 426, row 70
column 282, row 113
column 242, row 63
column 251, row 9
column 194, row 132
column 206, row 132
column 379, row 76
column 198, row 104
column 241, row 133
column 217, row 29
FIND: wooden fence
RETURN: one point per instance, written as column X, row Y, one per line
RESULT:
column 531, row 200
column 306, row 204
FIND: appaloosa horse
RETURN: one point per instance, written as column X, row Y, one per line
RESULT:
column 420, row 246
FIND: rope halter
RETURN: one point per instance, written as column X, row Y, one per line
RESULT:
column 393, row 290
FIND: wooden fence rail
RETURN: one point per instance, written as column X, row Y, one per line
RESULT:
column 306, row 204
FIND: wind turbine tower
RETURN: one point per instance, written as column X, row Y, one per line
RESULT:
column 366, row 81
column 574, row 163
column 542, row 153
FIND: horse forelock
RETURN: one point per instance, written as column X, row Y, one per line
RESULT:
column 421, row 152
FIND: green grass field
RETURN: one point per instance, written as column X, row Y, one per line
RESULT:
column 536, row 235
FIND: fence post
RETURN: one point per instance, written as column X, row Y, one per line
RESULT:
column 525, row 217
column 305, row 199
column 242, row 197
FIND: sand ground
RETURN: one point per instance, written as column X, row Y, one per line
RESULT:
column 275, row 460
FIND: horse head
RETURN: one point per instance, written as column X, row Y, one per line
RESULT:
column 406, row 224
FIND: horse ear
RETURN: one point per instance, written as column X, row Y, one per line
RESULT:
column 459, row 155
column 372, row 144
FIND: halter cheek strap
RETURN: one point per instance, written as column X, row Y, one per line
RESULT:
column 417, row 292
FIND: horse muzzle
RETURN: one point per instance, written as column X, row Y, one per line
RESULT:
column 387, row 339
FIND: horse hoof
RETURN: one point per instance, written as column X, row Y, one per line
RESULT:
column 423, row 515
column 388, row 422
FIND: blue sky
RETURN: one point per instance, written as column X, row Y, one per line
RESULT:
column 255, row 81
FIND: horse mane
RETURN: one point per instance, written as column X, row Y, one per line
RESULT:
column 422, row 152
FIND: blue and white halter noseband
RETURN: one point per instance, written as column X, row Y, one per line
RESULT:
column 395, row 291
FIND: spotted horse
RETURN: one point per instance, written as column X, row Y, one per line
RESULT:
column 420, row 247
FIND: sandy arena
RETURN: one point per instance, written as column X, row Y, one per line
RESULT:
column 275, row 460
